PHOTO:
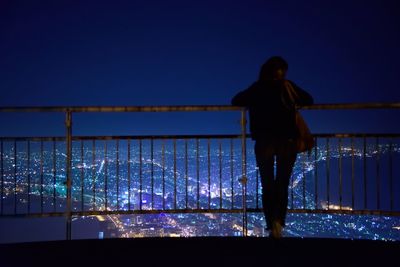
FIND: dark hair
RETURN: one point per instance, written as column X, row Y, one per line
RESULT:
column 270, row 66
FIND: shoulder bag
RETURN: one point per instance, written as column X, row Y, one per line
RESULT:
column 305, row 141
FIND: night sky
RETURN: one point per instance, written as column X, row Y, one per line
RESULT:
column 64, row 53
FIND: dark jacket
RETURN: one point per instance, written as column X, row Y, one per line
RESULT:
column 271, row 111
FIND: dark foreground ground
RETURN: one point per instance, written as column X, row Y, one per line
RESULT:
column 202, row 251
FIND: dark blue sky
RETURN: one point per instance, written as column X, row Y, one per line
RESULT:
column 194, row 52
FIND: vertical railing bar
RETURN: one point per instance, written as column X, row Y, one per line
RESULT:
column 163, row 171
column 231, row 154
column 105, row 176
column 292, row 193
column 352, row 173
column 309, row 160
column 117, row 145
column 140, row 173
column 41, row 176
column 82, row 178
column 340, row 173
column 304, row 179
column 257, row 187
column 378, row 202
column 198, row 173
column 365, row 171
column 390, row 173
column 15, row 177
column 316, row 172
column 29, row 175
column 152, row 171
column 209, row 172
column 327, row 172
column 54, row 174
column 175, row 191
column 244, row 170
column 2, row 176
column 186, row 174
column 94, row 173
column 220, row 174
column 129, row 174
column 68, row 124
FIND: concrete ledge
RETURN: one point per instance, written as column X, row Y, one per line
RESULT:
column 206, row 251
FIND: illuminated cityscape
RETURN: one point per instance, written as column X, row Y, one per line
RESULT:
column 189, row 175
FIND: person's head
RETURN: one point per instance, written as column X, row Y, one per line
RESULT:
column 274, row 68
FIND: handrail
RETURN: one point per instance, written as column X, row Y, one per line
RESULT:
column 392, row 105
column 122, row 108
column 194, row 136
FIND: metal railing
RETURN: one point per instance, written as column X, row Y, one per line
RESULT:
column 188, row 173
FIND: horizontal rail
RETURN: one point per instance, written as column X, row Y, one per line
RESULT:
column 395, row 105
column 123, row 108
column 199, row 136
column 353, row 106
column 191, row 211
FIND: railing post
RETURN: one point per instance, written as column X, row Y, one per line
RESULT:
column 243, row 180
column 68, row 125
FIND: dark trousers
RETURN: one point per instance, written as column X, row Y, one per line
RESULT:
column 275, row 187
